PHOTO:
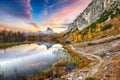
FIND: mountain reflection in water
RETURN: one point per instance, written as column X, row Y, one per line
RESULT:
column 29, row 58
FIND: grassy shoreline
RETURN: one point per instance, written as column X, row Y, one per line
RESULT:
column 7, row 45
column 60, row 66
column 77, row 57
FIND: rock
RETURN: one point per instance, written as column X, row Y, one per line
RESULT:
column 80, row 78
column 92, row 13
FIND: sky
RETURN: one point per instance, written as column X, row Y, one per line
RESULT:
column 35, row 15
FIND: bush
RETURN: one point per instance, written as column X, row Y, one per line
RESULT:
column 113, row 15
column 84, row 32
column 67, row 42
column 108, row 26
column 89, row 44
column 104, row 16
column 92, row 26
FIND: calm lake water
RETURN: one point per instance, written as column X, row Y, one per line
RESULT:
column 28, row 59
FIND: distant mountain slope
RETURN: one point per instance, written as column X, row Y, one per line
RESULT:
column 48, row 31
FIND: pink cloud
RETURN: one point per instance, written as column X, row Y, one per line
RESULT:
column 17, row 8
column 28, row 8
column 18, row 26
column 35, row 25
column 69, row 13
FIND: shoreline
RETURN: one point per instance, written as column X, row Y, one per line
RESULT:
column 75, row 55
column 7, row 45
column 79, row 60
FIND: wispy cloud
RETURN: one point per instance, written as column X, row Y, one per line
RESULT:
column 50, row 8
column 19, row 25
column 17, row 8
column 28, row 14
column 67, row 14
column 61, row 2
column 35, row 25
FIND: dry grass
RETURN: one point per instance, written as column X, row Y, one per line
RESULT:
column 110, row 72
column 115, row 49
column 96, row 42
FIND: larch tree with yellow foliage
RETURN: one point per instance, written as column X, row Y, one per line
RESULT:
column 89, row 34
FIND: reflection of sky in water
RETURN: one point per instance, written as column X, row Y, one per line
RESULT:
column 27, row 57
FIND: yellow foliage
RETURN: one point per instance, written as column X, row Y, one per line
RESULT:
column 79, row 37
column 89, row 34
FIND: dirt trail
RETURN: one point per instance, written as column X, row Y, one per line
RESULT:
column 93, row 52
column 83, row 74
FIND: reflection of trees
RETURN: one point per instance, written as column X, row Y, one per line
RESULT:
column 18, row 75
column 4, row 51
column 1, row 74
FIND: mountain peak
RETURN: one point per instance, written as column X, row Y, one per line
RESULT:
column 49, row 29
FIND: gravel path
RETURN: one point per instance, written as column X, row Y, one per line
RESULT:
column 92, row 52
column 82, row 74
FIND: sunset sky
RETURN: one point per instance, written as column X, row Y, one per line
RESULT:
column 34, row 15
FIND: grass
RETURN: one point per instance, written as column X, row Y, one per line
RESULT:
column 6, row 45
column 54, row 71
column 104, row 16
column 109, row 13
column 59, row 68
column 93, row 25
column 108, row 26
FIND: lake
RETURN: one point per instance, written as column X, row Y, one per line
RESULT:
column 28, row 59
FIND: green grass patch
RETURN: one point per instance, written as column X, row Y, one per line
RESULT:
column 108, row 26
column 110, row 13
column 104, row 16
column 92, row 26
column 6, row 45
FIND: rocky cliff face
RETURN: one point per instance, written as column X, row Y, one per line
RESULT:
column 92, row 13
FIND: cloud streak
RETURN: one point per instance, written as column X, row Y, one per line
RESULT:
column 54, row 13
column 19, row 25
column 67, row 14
column 35, row 25
column 18, row 8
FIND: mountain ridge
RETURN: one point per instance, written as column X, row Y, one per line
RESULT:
column 47, row 32
column 92, row 13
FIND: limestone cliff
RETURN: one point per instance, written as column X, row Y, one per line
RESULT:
column 92, row 13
